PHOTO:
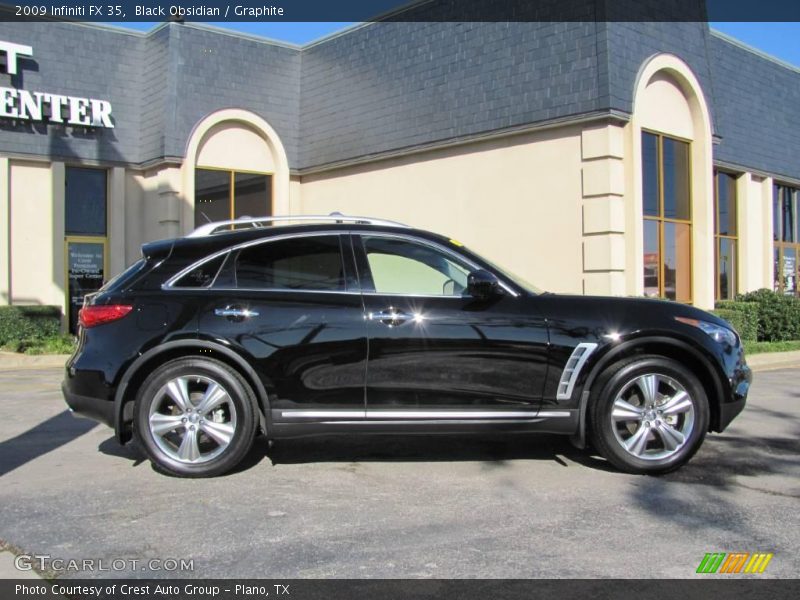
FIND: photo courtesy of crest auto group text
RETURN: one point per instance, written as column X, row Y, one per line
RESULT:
column 399, row 298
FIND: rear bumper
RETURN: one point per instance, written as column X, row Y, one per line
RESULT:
column 91, row 408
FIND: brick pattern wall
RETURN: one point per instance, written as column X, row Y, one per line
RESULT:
column 210, row 71
column 757, row 104
column 394, row 85
column 388, row 86
column 77, row 60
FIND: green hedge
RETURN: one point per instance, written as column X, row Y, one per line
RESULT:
column 29, row 323
column 742, row 315
column 778, row 314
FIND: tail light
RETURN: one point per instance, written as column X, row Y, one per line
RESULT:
column 91, row 316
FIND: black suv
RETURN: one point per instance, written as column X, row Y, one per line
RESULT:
column 294, row 326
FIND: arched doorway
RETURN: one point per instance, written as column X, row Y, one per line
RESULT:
column 671, row 254
column 235, row 167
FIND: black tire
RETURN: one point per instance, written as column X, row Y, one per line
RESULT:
column 650, row 433
column 197, row 375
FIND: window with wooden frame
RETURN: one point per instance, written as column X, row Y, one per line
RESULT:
column 786, row 237
column 726, row 236
column 667, row 210
column 223, row 194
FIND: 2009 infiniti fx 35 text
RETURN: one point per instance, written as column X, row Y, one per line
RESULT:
column 307, row 325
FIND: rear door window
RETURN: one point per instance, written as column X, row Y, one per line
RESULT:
column 312, row 263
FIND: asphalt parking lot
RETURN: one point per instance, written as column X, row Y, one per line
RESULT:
column 393, row 507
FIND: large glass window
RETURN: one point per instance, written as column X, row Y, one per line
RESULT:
column 667, row 210
column 400, row 266
column 85, row 227
column 309, row 263
column 726, row 236
column 786, row 235
column 85, row 196
column 221, row 195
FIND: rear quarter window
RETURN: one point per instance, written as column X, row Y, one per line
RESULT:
column 203, row 275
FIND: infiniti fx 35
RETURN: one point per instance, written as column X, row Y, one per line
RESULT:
column 293, row 326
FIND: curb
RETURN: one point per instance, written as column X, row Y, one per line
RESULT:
column 9, row 571
column 10, row 361
column 774, row 360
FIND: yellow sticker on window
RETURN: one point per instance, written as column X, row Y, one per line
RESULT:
column 456, row 243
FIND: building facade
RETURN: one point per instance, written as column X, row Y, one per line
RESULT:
column 655, row 159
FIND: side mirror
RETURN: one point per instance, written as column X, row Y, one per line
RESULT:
column 482, row 285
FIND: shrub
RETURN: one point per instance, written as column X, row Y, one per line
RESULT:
column 60, row 344
column 742, row 315
column 29, row 323
column 778, row 315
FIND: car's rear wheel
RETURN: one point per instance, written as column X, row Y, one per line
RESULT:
column 194, row 417
column 649, row 415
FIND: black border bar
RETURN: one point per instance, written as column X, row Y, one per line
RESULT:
column 751, row 587
column 401, row 10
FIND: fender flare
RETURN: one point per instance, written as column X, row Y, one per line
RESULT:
column 625, row 348
column 262, row 398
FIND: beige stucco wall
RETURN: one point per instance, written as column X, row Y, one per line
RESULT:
column 754, row 223
column 235, row 146
column 37, row 262
column 515, row 200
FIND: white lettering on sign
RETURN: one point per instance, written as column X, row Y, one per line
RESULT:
column 41, row 106
column 12, row 51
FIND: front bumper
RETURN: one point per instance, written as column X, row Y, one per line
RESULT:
column 740, row 386
column 86, row 406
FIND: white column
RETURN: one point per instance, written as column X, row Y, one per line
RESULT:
column 603, row 184
column 5, row 230
column 767, row 244
column 58, row 178
column 116, row 221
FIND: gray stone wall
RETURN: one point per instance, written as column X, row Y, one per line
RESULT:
column 395, row 85
column 387, row 86
column 77, row 60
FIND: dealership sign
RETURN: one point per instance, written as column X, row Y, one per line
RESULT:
column 46, row 107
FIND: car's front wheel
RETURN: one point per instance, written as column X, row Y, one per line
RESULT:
column 194, row 417
column 650, row 415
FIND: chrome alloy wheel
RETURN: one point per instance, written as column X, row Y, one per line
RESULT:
column 192, row 419
column 652, row 417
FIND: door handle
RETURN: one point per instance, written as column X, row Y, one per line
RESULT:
column 235, row 313
column 391, row 317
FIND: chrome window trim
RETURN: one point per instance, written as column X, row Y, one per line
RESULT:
column 170, row 283
column 566, row 383
column 435, row 246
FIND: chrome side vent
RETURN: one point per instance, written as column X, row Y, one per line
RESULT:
column 573, row 368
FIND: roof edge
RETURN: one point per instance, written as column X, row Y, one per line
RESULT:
column 752, row 50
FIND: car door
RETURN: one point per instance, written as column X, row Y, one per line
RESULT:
column 436, row 352
column 291, row 305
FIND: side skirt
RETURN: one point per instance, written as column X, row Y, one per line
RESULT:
column 309, row 422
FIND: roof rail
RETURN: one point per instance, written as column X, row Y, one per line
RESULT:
column 257, row 222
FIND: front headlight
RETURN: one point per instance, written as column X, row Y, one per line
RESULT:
column 721, row 335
